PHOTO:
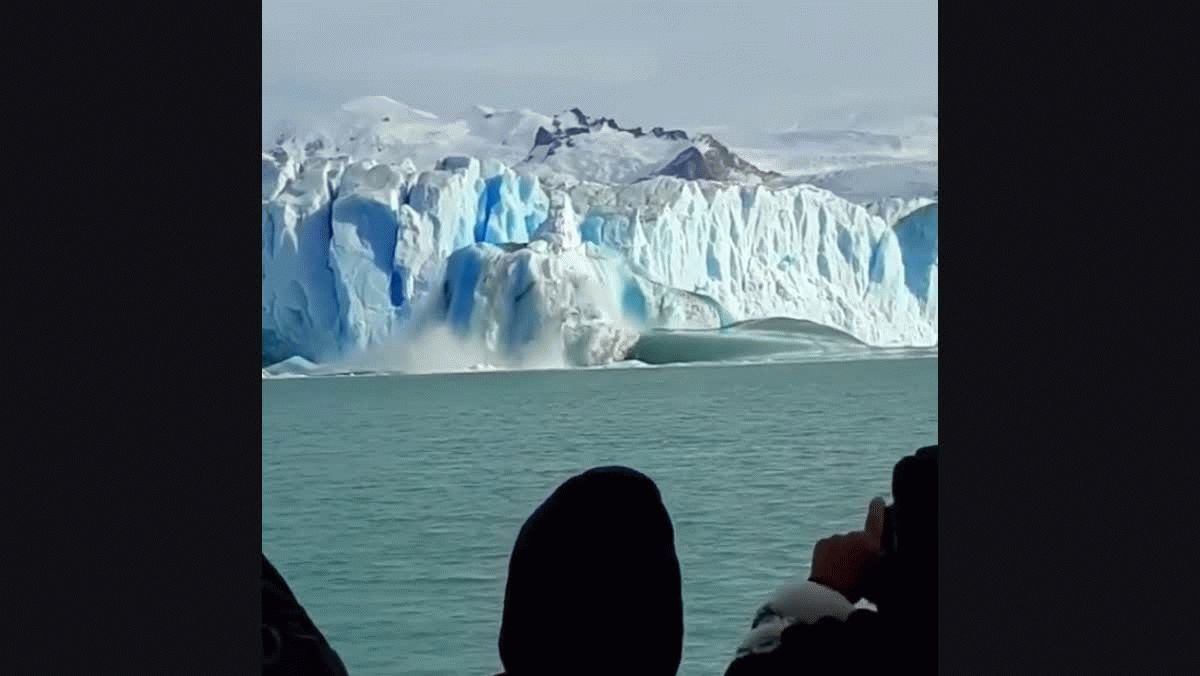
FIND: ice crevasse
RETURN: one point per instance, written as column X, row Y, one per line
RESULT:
column 353, row 251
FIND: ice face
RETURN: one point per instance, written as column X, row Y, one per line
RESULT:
column 300, row 311
column 798, row 252
column 359, row 247
column 348, row 249
column 557, row 295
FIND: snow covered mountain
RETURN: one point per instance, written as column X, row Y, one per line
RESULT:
column 385, row 130
column 868, row 159
column 599, row 150
column 391, row 224
column 567, row 147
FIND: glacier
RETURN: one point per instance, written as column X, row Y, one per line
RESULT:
column 557, row 294
column 346, row 246
column 361, row 249
column 801, row 252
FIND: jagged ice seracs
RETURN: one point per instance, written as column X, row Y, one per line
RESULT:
column 359, row 251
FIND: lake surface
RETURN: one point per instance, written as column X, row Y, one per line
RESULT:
column 390, row 504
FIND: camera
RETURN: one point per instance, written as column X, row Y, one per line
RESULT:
column 889, row 539
column 908, row 543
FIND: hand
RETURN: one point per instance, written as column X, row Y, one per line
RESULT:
column 843, row 562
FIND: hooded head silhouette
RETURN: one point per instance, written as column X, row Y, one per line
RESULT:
column 593, row 582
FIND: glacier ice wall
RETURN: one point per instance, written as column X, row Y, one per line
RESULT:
column 351, row 248
column 799, row 252
column 299, row 304
column 347, row 246
column 892, row 209
column 917, row 236
column 559, row 295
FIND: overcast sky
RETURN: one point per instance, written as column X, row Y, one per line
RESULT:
column 672, row 63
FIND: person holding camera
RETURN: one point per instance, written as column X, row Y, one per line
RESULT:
column 891, row 563
column 594, row 589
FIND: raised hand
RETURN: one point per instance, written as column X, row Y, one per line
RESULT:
column 844, row 562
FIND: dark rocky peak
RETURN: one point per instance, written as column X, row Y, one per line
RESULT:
column 672, row 134
column 543, row 137
column 580, row 118
column 710, row 160
column 575, row 122
column 688, row 165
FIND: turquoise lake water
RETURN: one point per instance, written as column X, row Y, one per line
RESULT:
column 390, row 504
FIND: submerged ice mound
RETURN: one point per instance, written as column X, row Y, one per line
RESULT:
column 292, row 367
column 756, row 340
column 559, row 296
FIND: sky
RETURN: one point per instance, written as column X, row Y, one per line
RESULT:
column 673, row 63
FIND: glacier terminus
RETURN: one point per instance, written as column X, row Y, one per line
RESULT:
column 523, row 238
